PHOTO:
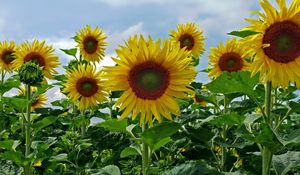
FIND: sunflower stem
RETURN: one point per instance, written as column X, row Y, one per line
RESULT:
column 83, row 125
column 224, row 135
column 2, row 82
column 27, row 169
column 145, row 154
column 266, row 152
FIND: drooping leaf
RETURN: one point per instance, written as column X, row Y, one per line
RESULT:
column 59, row 158
column 287, row 162
column 12, row 82
column 234, row 82
column 153, row 135
column 162, row 143
column 242, row 33
column 129, row 151
column 192, row 168
column 71, row 51
column 114, row 125
column 16, row 157
column 17, row 103
column 43, row 123
column 9, row 144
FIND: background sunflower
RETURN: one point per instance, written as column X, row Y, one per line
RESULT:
column 230, row 57
column 276, row 44
column 190, row 37
column 7, row 51
column 39, row 53
column 38, row 101
column 84, row 86
column 152, row 77
column 91, row 43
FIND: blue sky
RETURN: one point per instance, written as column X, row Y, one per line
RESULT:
column 58, row 20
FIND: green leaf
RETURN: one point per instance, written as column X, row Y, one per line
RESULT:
column 9, row 144
column 295, row 106
column 287, row 162
column 292, row 139
column 12, row 82
column 196, row 85
column 19, row 104
column 230, row 119
column 114, row 125
column 116, row 94
column 242, row 33
column 162, row 143
column 60, row 77
column 108, row 170
column 129, row 151
column 234, row 82
column 192, row 168
column 153, row 135
column 268, row 138
column 16, row 157
column 43, row 123
column 71, row 51
column 59, row 158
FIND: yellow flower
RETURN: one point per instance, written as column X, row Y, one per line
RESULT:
column 7, row 51
column 85, row 86
column 152, row 76
column 38, row 101
column 189, row 37
column 38, row 163
column 277, row 44
column 91, row 43
column 39, row 53
column 230, row 57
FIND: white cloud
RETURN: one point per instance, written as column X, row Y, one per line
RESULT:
column 117, row 37
column 54, row 94
column 130, row 2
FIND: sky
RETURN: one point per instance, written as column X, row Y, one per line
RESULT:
column 56, row 21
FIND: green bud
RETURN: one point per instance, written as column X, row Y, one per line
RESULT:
column 31, row 74
column 74, row 64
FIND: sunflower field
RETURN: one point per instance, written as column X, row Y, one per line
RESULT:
column 147, row 114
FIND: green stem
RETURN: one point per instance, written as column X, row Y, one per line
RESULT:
column 145, row 155
column 2, row 82
column 83, row 126
column 224, row 135
column 27, row 169
column 266, row 153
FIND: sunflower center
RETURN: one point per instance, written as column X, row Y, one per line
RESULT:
column 36, row 58
column 148, row 80
column 284, row 40
column 87, row 87
column 231, row 62
column 187, row 41
column 90, row 44
column 8, row 57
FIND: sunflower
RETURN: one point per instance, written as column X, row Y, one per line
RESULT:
column 39, row 53
column 84, row 86
column 189, row 37
column 7, row 51
column 230, row 57
column 277, row 44
column 91, row 43
column 152, row 77
column 38, row 101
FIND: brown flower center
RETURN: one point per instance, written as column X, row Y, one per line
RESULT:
column 231, row 62
column 149, row 80
column 36, row 58
column 284, row 40
column 187, row 41
column 87, row 87
column 8, row 57
column 90, row 44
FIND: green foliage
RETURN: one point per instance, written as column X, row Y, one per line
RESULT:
column 242, row 33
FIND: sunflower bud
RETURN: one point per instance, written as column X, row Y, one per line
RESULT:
column 74, row 64
column 31, row 74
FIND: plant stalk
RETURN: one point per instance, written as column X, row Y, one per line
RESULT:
column 145, row 155
column 27, row 169
column 266, row 153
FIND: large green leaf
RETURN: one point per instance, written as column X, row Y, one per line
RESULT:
column 287, row 162
column 18, row 104
column 268, row 138
column 9, row 144
column 16, row 157
column 242, row 33
column 12, row 82
column 153, row 135
column 234, row 82
column 192, row 168
column 59, row 157
column 108, row 170
column 114, row 125
column 130, row 151
column 229, row 119
column 43, row 123
column 71, row 51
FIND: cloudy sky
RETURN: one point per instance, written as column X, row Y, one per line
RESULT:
column 56, row 21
